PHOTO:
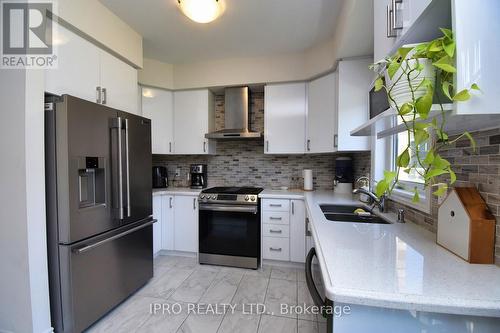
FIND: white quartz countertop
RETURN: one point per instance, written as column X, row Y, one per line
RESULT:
column 281, row 194
column 397, row 266
column 176, row 191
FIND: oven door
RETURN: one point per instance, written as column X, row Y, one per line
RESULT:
column 232, row 230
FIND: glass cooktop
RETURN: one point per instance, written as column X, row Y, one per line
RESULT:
column 233, row 190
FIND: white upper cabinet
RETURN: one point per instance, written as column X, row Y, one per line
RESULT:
column 87, row 72
column 354, row 79
column 383, row 41
column 118, row 83
column 321, row 114
column 407, row 12
column 285, row 118
column 158, row 105
column 77, row 71
column 476, row 26
column 194, row 116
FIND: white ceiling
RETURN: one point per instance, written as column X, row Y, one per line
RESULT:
column 248, row 28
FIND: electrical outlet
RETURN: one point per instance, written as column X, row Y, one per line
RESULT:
column 178, row 172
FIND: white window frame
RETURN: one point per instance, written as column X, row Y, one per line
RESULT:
column 405, row 197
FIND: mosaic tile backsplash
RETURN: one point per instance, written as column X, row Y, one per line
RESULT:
column 480, row 168
column 243, row 162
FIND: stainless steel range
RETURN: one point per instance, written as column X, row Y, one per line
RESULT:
column 229, row 226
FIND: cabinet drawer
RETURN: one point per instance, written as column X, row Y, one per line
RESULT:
column 275, row 205
column 275, row 217
column 276, row 248
column 275, row 230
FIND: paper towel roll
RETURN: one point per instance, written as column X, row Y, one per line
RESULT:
column 308, row 179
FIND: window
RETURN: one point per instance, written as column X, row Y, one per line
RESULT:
column 404, row 191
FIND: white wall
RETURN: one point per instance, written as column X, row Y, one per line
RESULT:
column 157, row 74
column 349, row 40
column 97, row 21
column 24, row 301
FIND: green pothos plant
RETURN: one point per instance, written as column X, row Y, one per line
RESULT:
column 419, row 70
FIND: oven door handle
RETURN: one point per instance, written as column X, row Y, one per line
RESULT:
column 229, row 208
column 318, row 301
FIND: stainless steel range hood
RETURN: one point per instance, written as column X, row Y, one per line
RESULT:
column 236, row 109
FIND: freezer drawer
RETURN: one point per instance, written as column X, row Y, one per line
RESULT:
column 97, row 275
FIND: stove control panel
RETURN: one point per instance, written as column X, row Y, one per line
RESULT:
column 228, row 198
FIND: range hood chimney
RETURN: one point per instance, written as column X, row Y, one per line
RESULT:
column 236, row 108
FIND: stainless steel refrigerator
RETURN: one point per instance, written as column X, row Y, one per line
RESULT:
column 99, row 209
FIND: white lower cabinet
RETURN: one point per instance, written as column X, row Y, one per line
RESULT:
column 157, row 230
column 167, row 230
column 177, row 226
column 186, row 223
column 283, row 230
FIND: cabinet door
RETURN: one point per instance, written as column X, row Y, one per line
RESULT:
column 297, row 231
column 157, row 105
column 476, row 43
column 186, row 223
column 77, row 72
column 120, row 81
column 157, row 226
column 354, row 79
column 168, row 218
column 193, row 118
column 381, row 43
column 321, row 112
column 407, row 13
column 285, row 118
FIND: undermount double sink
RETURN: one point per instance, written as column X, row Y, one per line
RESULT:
column 345, row 213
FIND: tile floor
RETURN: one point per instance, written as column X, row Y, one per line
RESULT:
column 180, row 284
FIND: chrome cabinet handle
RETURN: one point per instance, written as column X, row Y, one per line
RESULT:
column 308, row 145
column 204, row 146
column 127, row 166
column 293, row 208
column 170, row 202
column 98, row 95
column 274, row 205
column 336, row 141
column 389, row 20
column 170, row 147
column 275, row 249
column 275, row 231
column 104, row 96
column 194, row 203
column 275, row 218
column 394, row 15
column 267, row 145
column 308, row 232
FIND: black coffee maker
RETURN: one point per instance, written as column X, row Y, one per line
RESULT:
column 198, row 175
column 160, row 178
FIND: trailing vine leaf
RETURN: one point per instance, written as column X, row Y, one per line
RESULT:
column 446, row 89
column 405, row 109
column 439, row 162
column 471, row 140
column 424, row 103
column 442, row 188
column 404, row 159
column 420, row 136
column 416, row 196
column 393, row 68
column 449, row 49
column 462, row 96
column 434, row 173
column 453, row 176
column 475, row 87
column 379, row 83
column 381, row 188
column 429, row 158
column 446, row 64
column 447, row 32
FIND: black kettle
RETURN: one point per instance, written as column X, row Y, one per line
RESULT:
column 160, row 178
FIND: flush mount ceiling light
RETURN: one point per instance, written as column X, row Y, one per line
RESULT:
column 202, row 11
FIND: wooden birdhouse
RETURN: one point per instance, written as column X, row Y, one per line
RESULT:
column 466, row 227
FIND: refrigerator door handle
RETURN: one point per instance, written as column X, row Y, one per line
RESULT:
column 129, row 207
column 86, row 248
column 117, row 173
